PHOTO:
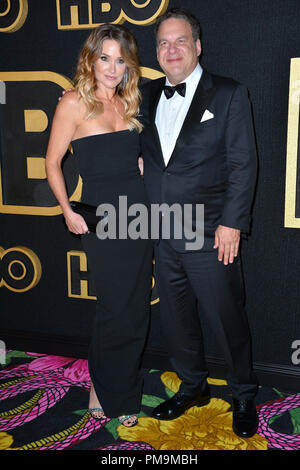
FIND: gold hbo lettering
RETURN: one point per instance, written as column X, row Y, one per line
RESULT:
column 292, row 186
column 13, row 14
column 154, row 293
column 82, row 14
column 29, row 101
column 80, row 281
column 21, row 269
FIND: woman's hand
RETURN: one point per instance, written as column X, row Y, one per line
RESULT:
column 141, row 165
column 76, row 223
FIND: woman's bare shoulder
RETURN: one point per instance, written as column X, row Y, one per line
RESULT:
column 71, row 104
column 70, row 99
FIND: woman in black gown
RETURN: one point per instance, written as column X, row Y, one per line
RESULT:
column 99, row 119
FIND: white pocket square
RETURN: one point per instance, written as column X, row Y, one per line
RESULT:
column 207, row 115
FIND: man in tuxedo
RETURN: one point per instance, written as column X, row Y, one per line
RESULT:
column 198, row 148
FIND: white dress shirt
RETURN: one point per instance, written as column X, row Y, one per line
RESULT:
column 171, row 113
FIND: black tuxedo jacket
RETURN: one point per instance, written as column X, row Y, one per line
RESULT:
column 213, row 163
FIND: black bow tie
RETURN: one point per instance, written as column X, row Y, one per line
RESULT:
column 170, row 90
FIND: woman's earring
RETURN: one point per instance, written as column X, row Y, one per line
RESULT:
column 125, row 78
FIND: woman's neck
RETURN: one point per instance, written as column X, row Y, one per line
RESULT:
column 105, row 93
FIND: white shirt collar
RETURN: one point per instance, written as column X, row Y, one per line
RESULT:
column 192, row 80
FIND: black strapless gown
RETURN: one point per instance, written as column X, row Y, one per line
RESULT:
column 121, row 270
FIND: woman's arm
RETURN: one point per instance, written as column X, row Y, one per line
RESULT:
column 64, row 124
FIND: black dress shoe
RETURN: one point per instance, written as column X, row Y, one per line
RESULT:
column 178, row 404
column 245, row 418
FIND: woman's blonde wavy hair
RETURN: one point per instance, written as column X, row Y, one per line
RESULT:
column 127, row 90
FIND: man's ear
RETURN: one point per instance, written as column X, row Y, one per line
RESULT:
column 198, row 47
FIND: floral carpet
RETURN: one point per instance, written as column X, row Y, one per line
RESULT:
column 43, row 406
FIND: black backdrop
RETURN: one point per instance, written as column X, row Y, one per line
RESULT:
column 42, row 266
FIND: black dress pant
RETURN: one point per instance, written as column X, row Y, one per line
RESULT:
column 122, row 271
column 220, row 294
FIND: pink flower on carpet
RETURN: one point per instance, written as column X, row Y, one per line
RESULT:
column 78, row 371
column 51, row 378
column 46, row 363
column 127, row 446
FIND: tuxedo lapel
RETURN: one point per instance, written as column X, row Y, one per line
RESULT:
column 200, row 101
column 198, row 105
column 154, row 99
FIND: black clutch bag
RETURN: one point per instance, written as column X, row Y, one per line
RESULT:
column 88, row 213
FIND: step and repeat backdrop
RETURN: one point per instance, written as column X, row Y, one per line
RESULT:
column 47, row 298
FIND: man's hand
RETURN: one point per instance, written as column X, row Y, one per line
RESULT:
column 63, row 92
column 227, row 241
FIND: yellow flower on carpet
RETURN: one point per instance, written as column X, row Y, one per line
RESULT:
column 171, row 380
column 205, row 428
column 6, row 440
